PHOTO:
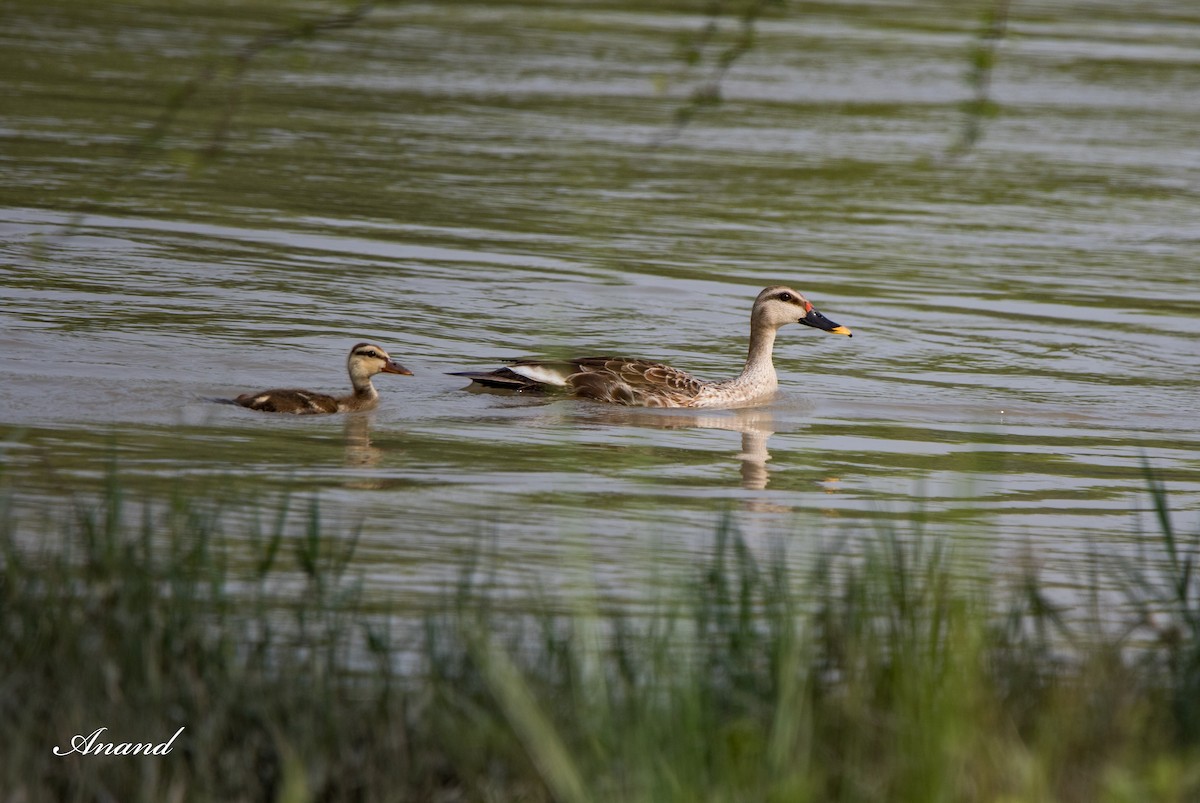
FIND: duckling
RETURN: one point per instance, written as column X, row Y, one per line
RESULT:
column 365, row 361
column 641, row 383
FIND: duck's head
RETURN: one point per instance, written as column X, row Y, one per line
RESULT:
column 367, row 359
column 779, row 306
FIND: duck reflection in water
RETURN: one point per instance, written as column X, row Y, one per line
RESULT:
column 754, row 423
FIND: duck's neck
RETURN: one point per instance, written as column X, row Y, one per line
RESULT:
column 759, row 370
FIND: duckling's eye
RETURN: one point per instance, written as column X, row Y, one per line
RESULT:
column 373, row 354
column 787, row 297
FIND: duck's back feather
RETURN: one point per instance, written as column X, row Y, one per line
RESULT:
column 618, row 380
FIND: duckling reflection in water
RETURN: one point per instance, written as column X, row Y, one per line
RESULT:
column 359, row 451
column 365, row 361
column 641, row 383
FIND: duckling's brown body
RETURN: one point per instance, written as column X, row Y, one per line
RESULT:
column 299, row 402
column 365, row 361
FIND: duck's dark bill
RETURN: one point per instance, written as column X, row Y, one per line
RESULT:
column 396, row 368
column 819, row 321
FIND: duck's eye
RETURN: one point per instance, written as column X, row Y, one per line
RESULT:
column 374, row 354
column 788, row 297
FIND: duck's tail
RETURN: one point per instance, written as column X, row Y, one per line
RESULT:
column 502, row 379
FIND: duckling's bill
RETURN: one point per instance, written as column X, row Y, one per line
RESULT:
column 391, row 367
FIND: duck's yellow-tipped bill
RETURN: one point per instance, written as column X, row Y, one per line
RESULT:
column 819, row 321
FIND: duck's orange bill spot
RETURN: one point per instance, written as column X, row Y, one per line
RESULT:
column 841, row 330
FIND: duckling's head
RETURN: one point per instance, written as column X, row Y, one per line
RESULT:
column 367, row 359
column 779, row 306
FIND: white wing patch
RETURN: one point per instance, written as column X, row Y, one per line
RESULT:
column 540, row 373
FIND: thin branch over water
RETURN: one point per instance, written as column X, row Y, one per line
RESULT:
column 240, row 63
column 981, row 107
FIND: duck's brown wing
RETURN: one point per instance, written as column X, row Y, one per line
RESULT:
column 298, row 402
column 618, row 380
column 637, row 383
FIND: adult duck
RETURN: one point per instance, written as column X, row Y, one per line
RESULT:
column 365, row 361
column 642, row 383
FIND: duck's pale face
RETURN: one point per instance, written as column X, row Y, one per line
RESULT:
column 779, row 306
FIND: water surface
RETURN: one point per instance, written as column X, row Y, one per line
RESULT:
column 468, row 182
